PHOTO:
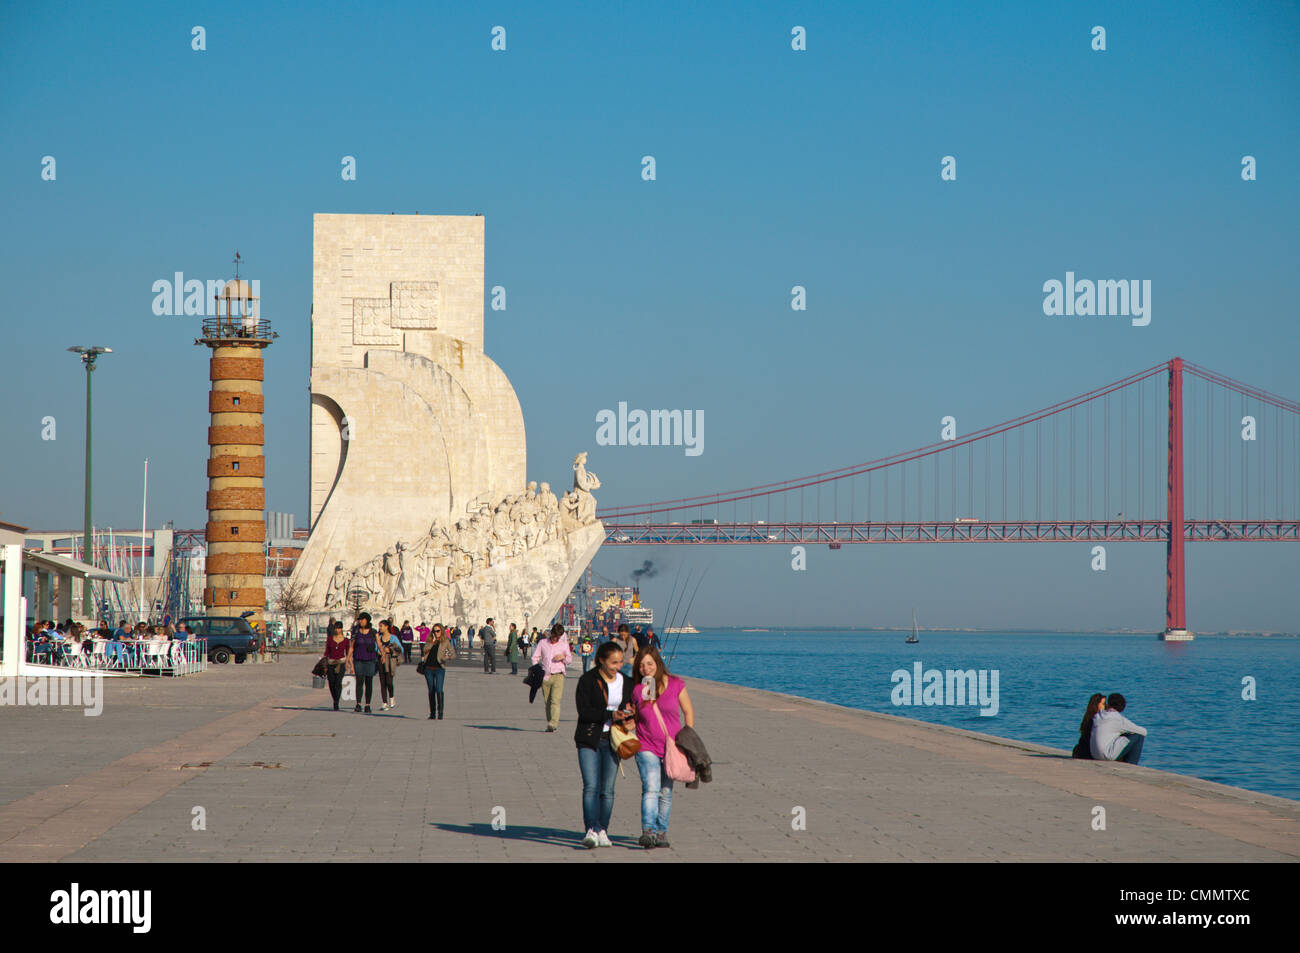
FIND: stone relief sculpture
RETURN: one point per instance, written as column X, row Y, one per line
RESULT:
column 495, row 534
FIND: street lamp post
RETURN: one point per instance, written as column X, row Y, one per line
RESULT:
column 88, row 356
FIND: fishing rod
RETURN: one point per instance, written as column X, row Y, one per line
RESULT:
column 673, row 653
column 674, row 610
column 673, row 591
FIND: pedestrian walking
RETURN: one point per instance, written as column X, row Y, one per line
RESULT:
column 390, row 656
column 455, row 639
column 628, row 646
column 338, row 649
column 663, row 708
column 553, row 654
column 513, row 647
column 603, row 697
column 407, row 638
column 437, row 653
column 587, row 650
column 488, row 637
column 363, row 654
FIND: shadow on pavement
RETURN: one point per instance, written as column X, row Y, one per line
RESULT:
column 300, row 707
column 495, row 727
column 538, row 835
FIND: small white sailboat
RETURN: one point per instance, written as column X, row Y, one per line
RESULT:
column 912, row 639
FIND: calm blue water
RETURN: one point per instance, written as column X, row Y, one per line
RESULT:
column 1187, row 695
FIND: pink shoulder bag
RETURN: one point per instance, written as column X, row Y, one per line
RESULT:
column 675, row 764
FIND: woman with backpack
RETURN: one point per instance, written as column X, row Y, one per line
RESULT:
column 390, row 656
column 604, row 698
column 663, row 708
column 438, row 652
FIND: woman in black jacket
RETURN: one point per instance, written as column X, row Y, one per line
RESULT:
column 1084, row 747
column 604, row 696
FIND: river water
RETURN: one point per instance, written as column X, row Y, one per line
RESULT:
column 1187, row 695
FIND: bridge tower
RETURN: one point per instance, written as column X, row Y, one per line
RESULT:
column 1175, row 568
column 236, row 501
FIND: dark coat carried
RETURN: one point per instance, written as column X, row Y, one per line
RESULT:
column 534, row 681
column 688, row 740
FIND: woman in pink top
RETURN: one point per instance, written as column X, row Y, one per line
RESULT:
column 658, row 689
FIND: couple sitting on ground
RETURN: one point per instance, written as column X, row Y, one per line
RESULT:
column 1106, row 735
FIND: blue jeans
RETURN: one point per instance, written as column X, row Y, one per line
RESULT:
column 1133, row 750
column 433, row 677
column 656, row 792
column 599, row 768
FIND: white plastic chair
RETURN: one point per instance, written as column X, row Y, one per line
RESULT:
column 73, row 656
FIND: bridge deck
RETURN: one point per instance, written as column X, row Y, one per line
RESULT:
column 973, row 531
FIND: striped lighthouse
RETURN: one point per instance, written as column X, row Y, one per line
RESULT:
column 236, row 503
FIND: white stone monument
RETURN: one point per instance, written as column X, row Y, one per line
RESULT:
column 418, row 483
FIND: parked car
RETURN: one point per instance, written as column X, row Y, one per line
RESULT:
column 227, row 636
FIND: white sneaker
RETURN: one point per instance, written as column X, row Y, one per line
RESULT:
column 603, row 839
column 393, row 703
column 591, row 840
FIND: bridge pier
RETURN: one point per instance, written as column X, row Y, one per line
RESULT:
column 1175, row 567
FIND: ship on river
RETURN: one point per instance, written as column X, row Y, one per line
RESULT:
column 615, row 605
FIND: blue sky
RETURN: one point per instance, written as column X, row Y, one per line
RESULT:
column 775, row 168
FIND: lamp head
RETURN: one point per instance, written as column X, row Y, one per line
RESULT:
column 88, row 354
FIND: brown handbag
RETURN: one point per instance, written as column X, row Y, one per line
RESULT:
column 623, row 741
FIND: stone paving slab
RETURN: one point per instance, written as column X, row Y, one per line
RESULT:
column 291, row 780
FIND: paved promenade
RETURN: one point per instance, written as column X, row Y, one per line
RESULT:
column 280, row 777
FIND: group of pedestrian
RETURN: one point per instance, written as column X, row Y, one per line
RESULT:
column 649, row 719
column 364, row 653
column 647, row 715
column 375, row 650
column 629, row 705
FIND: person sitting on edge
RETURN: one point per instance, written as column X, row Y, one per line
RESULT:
column 1083, row 748
column 1114, row 737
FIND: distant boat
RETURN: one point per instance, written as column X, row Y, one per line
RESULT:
column 912, row 639
column 686, row 629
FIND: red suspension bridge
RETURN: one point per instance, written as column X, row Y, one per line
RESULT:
column 1222, row 465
